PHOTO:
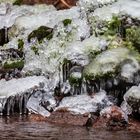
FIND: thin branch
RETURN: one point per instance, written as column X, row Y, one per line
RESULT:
column 65, row 3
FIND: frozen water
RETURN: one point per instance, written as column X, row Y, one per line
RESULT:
column 19, row 86
column 81, row 104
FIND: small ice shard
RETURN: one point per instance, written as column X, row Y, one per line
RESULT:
column 41, row 103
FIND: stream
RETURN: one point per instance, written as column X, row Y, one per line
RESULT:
column 17, row 128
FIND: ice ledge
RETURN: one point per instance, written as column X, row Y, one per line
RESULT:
column 17, row 86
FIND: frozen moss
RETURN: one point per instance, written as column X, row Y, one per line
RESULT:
column 113, row 26
column 20, row 44
column 66, row 22
column 35, row 50
column 75, row 78
column 18, row 2
column 100, row 76
column 108, row 63
column 19, row 64
column 41, row 33
column 133, row 35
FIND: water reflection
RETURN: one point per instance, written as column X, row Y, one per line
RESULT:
column 22, row 128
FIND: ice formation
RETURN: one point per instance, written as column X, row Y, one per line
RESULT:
column 85, row 50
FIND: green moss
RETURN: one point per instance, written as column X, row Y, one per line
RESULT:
column 15, row 64
column 115, row 23
column 74, row 80
column 65, row 61
column 113, row 26
column 35, row 49
column 93, row 54
column 133, row 36
column 66, row 22
column 20, row 44
column 18, row 2
column 41, row 33
column 101, row 76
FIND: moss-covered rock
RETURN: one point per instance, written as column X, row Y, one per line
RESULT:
column 19, row 64
column 108, row 63
column 41, row 33
column 132, row 97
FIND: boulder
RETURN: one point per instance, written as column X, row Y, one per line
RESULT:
column 132, row 98
column 109, row 63
column 80, row 104
column 115, row 117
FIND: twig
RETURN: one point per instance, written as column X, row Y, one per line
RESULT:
column 65, row 3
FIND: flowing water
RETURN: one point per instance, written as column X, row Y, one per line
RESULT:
column 17, row 128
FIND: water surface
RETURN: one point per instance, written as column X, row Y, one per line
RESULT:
column 17, row 128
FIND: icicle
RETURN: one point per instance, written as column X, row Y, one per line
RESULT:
column 72, row 90
column 21, row 104
column 102, row 84
column 2, row 104
column 1, row 109
column 6, row 34
column 25, row 99
column 12, row 104
column 96, row 87
column 8, row 107
column 64, row 73
column 83, row 87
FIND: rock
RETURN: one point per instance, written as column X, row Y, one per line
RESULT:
column 130, row 71
column 81, row 104
column 50, row 58
column 109, row 62
column 41, row 33
column 44, row 18
column 66, row 118
column 115, row 117
column 91, row 5
column 124, row 7
column 102, row 17
column 132, row 98
column 11, row 63
column 14, row 12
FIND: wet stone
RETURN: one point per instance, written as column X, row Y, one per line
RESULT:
column 115, row 117
column 132, row 98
